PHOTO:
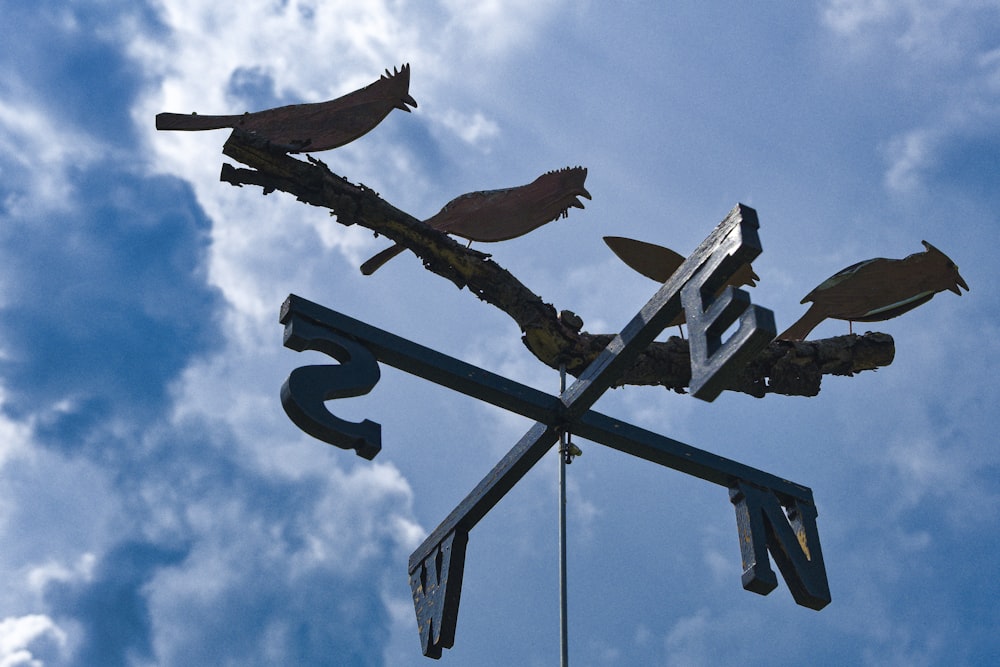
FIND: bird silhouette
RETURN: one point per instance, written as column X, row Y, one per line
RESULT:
column 314, row 127
column 498, row 215
column 659, row 263
column 878, row 289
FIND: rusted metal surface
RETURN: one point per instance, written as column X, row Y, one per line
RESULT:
column 878, row 289
column 313, row 127
column 499, row 215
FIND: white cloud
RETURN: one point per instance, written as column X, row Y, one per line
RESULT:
column 260, row 564
column 945, row 477
column 308, row 52
column 18, row 634
column 909, row 156
column 924, row 29
column 848, row 16
column 262, row 247
column 375, row 501
column 474, row 129
column 41, row 576
column 689, row 641
column 938, row 61
column 14, row 435
column 498, row 25
column 40, row 156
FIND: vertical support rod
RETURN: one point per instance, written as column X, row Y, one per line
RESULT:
column 563, row 601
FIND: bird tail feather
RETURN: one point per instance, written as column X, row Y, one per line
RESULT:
column 376, row 262
column 191, row 121
column 803, row 325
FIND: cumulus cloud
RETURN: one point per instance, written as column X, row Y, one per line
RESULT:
column 226, row 512
column 140, row 424
column 298, row 570
column 190, row 69
column 40, row 156
column 20, row 638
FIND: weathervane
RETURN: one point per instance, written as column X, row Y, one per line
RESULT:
column 731, row 343
column 772, row 514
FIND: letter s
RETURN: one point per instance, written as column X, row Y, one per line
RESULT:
column 307, row 388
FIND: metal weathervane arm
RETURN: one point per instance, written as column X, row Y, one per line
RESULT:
column 773, row 515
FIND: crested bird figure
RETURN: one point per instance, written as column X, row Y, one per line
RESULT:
column 878, row 289
column 659, row 263
column 312, row 127
column 499, row 215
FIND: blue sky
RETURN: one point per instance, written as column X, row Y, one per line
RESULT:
column 158, row 508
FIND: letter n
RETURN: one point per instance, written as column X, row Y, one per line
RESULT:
column 792, row 538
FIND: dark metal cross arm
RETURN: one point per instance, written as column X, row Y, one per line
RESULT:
column 437, row 566
column 674, row 454
column 429, row 364
column 501, row 479
column 545, row 409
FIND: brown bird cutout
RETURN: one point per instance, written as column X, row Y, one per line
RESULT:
column 499, row 215
column 878, row 289
column 312, row 127
column 659, row 263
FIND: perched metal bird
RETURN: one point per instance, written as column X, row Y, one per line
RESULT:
column 312, row 127
column 659, row 263
column 878, row 289
column 498, row 215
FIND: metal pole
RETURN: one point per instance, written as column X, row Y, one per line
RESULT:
column 563, row 603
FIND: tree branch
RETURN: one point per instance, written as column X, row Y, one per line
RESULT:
column 791, row 368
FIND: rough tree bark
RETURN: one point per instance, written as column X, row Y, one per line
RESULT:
column 555, row 338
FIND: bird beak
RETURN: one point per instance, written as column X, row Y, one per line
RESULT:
column 959, row 282
column 576, row 203
column 407, row 100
